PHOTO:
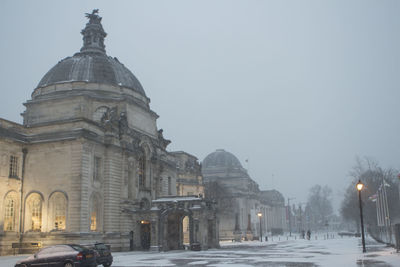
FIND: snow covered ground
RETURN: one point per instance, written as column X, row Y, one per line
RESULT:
column 336, row 252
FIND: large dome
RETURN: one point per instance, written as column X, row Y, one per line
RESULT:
column 92, row 64
column 221, row 159
column 92, row 67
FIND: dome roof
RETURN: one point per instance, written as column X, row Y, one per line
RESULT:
column 272, row 197
column 221, row 159
column 92, row 67
column 92, row 64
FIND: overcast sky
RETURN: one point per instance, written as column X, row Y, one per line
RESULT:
column 300, row 88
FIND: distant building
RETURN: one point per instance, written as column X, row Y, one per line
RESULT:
column 275, row 210
column 239, row 199
column 89, row 164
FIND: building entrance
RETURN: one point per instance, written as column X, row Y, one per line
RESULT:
column 174, row 231
column 145, row 234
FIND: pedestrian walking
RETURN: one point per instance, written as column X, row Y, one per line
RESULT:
column 308, row 234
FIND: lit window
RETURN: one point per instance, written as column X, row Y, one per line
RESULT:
column 36, row 213
column 94, row 214
column 60, row 206
column 93, row 221
column 9, row 213
column 13, row 166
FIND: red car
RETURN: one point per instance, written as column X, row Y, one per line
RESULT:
column 61, row 256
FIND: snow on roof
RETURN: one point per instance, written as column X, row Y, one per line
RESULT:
column 177, row 199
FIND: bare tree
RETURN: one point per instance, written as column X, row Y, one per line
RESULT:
column 373, row 177
column 319, row 206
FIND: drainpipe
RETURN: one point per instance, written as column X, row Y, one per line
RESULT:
column 21, row 220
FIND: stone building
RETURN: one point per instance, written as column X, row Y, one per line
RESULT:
column 89, row 164
column 276, row 210
column 239, row 198
column 188, row 183
column 190, row 180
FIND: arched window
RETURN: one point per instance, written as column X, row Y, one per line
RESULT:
column 10, row 211
column 142, row 170
column 34, row 212
column 95, row 213
column 58, row 211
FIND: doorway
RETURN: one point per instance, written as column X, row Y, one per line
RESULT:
column 174, row 231
column 145, row 234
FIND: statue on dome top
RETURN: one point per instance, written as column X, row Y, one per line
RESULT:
column 93, row 17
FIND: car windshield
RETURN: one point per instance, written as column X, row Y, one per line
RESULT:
column 78, row 248
column 100, row 246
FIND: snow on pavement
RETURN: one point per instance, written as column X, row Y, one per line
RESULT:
column 340, row 252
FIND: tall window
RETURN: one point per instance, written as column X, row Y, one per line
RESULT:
column 142, row 171
column 161, row 186
column 130, row 184
column 34, row 212
column 94, row 214
column 59, row 210
column 10, row 212
column 13, row 166
column 169, row 186
column 97, row 169
column 93, row 220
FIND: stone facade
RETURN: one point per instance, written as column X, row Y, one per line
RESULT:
column 189, row 183
column 275, row 210
column 238, row 198
column 190, row 179
column 88, row 163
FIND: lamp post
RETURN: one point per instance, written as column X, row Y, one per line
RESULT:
column 259, row 214
column 289, row 214
column 359, row 187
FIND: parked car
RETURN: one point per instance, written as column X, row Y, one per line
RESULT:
column 61, row 256
column 104, row 256
column 341, row 234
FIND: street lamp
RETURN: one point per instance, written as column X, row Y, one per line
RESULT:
column 290, row 221
column 359, row 187
column 260, row 216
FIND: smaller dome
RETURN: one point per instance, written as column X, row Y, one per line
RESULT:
column 273, row 197
column 221, row 159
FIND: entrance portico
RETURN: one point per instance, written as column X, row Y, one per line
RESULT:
column 163, row 228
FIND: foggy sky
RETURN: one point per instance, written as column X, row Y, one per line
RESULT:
column 300, row 88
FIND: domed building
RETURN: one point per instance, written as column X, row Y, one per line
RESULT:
column 240, row 201
column 89, row 164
